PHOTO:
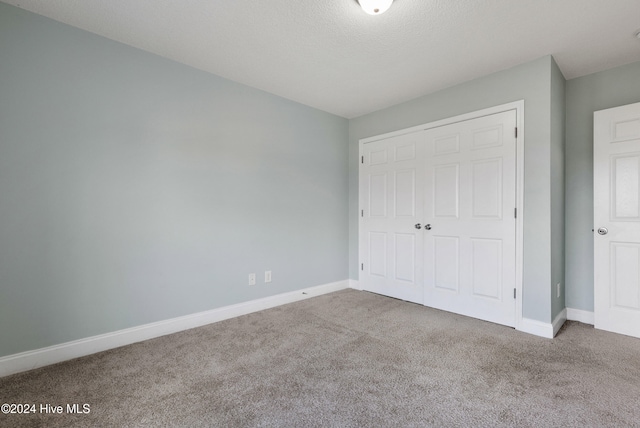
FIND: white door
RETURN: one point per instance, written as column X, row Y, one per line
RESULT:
column 391, row 206
column 437, row 217
column 616, row 179
column 470, row 199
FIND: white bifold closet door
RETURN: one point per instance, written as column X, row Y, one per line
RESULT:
column 438, row 217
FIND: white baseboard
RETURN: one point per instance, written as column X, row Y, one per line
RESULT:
column 559, row 321
column 355, row 284
column 586, row 317
column 78, row 348
column 536, row 327
column 543, row 329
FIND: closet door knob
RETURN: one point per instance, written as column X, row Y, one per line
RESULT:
column 418, row 226
column 427, row 226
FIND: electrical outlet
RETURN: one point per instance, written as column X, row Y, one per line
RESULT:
column 267, row 276
column 252, row 279
column 558, row 289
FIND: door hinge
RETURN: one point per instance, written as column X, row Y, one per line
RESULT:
column 361, row 213
column 516, row 132
column 362, row 159
column 515, row 213
column 514, row 293
column 361, row 266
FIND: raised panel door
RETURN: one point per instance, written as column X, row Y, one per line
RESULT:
column 616, row 177
column 470, row 197
column 391, row 253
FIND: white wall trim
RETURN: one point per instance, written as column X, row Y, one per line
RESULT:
column 543, row 329
column 519, row 280
column 586, row 317
column 559, row 321
column 515, row 105
column 355, row 284
column 78, row 348
column 536, row 327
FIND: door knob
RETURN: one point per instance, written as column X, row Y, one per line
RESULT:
column 603, row 231
column 427, row 226
column 418, row 226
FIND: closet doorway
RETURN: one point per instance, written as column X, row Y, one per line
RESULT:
column 438, row 215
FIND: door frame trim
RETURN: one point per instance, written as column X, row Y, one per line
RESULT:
column 518, row 106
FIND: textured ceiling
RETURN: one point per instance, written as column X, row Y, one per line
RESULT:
column 331, row 55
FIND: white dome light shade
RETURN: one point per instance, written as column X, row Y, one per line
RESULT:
column 375, row 7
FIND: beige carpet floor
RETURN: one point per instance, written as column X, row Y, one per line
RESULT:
column 346, row 359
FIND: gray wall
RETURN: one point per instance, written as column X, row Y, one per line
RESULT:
column 557, row 111
column 134, row 189
column 531, row 82
column 584, row 95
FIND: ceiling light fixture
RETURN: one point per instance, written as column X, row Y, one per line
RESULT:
column 375, row 7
